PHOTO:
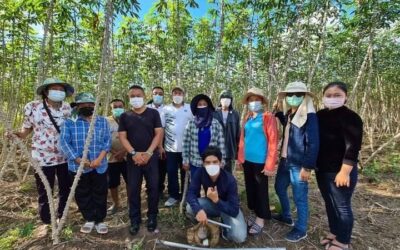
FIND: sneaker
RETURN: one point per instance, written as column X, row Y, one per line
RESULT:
column 170, row 202
column 286, row 221
column 295, row 235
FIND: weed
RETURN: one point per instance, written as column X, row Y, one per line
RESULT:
column 9, row 238
column 67, row 233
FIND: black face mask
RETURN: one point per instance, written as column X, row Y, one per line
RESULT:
column 86, row 111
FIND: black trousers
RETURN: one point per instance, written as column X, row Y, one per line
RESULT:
column 91, row 195
column 162, row 172
column 256, row 184
column 64, row 185
column 135, row 179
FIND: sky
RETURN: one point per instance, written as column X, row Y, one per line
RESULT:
column 145, row 6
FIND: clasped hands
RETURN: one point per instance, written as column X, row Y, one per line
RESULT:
column 141, row 158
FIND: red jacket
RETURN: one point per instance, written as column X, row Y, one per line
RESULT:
column 271, row 132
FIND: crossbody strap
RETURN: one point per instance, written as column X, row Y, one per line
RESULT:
column 51, row 116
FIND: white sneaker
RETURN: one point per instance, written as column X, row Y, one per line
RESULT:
column 170, row 202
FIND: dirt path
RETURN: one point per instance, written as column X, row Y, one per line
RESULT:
column 377, row 210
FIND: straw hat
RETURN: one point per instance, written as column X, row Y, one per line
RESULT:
column 295, row 87
column 254, row 91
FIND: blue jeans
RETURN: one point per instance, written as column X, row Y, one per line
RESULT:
column 290, row 175
column 338, row 204
column 174, row 163
column 238, row 231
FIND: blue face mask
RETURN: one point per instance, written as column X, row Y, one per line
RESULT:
column 56, row 95
column 294, row 101
column 158, row 99
column 255, row 106
column 117, row 112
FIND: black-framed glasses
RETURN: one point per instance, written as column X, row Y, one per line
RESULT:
column 298, row 94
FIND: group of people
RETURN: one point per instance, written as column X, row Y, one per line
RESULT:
column 155, row 141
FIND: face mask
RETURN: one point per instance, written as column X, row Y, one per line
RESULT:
column 177, row 99
column 225, row 102
column 255, row 106
column 136, row 102
column 86, row 111
column 212, row 170
column 294, row 101
column 333, row 102
column 158, row 99
column 202, row 111
column 56, row 95
column 117, row 112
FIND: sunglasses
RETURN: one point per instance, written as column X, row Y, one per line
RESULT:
column 298, row 94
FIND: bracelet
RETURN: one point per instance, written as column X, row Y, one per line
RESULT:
column 149, row 153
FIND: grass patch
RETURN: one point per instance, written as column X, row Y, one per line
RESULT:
column 67, row 233
column 26, row 187
column 9, row 238
column 384, row 168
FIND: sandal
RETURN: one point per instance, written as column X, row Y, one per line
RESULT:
column 251, row 219
column 325, row 241
column 87, row 227
column 101, row 228
column 331, row 244
column 257, row 229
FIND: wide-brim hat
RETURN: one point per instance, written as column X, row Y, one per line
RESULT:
column 84, row 98
column 69, row 90
column 254, row 92
column 195, row 101
column 295, row 87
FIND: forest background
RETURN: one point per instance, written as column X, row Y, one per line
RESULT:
column 204, row 46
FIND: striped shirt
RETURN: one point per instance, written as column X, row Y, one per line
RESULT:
column 72, row 142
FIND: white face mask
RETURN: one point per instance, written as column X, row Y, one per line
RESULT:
column 212, row 170
column 225, row 102
column 177, row 99
column 56, row 95
column 136, row 102
column 333, row 102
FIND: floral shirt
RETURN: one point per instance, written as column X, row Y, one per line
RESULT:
column 45, row 146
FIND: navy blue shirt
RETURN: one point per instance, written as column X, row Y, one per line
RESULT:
column 227, row 191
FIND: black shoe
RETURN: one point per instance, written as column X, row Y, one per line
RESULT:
column 280, row 218
column 134, row 229
column 151, row 224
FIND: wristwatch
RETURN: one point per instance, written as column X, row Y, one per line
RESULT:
column 132, row 153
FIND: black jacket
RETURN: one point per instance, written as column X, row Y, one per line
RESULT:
column 231, row 131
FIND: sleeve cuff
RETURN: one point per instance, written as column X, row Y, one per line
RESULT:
column 349, row 162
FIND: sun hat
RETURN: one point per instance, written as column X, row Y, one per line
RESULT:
column 84, row 98
column 69, row 90
column 254, row 91
column 295, row 87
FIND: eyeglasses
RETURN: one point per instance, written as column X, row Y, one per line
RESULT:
column 298, row 94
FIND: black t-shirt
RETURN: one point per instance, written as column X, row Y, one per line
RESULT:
column 340, row 135
column 140, row 127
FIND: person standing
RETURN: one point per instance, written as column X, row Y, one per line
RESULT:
column 117, row 156
column 299, row 153
column 177, row 116
column 44, row 118
column 140, row 132
column 257, row 156
column 203, row 131
column 341, row 131
column 157, row 103
column 91, row 192
column 230, row 121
